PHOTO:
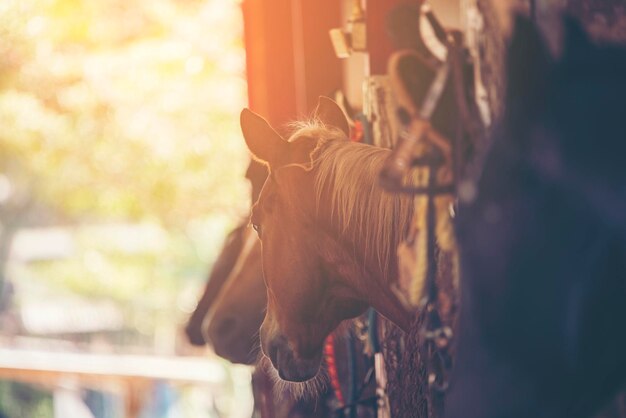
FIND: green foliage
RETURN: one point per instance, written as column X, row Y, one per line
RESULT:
column 125, row 109
column 22, row 400
column 143, row 265
column 123, row 112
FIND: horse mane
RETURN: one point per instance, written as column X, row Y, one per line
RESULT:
column 346, row 182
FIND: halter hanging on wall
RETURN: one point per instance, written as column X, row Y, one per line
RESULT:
column 422, row 149
column 406, row 26
column 415, row 113
column 417, row 126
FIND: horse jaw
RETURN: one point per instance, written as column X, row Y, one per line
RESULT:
column 361, row 280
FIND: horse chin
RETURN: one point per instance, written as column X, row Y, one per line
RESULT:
column 298, row 373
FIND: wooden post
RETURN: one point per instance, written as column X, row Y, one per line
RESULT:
column 379, row 44
column 289, row 58
column 136, row 392
column 318, row 70
column 269, row 58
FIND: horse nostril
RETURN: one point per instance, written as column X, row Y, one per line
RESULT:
column 309, row 353
column 194, row 336
column 225, row 327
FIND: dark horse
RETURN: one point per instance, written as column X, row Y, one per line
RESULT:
column 229, row 259
column 217, row 278
column 543, row 249
column 232, row 323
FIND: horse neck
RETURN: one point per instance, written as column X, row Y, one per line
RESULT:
column 363, row 224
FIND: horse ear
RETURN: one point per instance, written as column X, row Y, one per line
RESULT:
column 575, row 37
column 263, row 141
column 528, row 64
column 329, row 112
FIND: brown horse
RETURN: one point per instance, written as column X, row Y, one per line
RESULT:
column 329, row 235
column 232, row 324
column 232, row 327
column 219, row 274
column 256, row 174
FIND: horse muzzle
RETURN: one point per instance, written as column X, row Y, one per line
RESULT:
column 231, row 339
column 194, row 334
column 289, row 365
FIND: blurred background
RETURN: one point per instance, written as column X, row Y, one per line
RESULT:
column 121, row 171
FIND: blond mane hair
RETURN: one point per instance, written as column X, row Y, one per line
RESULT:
column 349, row 171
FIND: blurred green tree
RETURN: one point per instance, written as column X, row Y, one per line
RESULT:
column 120, row 111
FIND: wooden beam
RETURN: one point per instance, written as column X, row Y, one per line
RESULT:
column 289, row 57
column 50, row 366
column 379, row 44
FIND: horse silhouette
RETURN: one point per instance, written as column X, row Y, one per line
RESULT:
column 229, row 259
column 232, row 323
column 543, row 255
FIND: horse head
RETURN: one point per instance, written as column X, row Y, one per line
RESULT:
column 225, row 263
column 233, row 322
column 306, row 301
column 216, row 280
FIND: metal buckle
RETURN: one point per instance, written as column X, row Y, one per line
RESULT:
column 441, row 336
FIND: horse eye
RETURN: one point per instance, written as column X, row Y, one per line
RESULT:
column 257, row 228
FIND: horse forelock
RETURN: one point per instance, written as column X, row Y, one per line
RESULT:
column 306, row 129
column 314, row 128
